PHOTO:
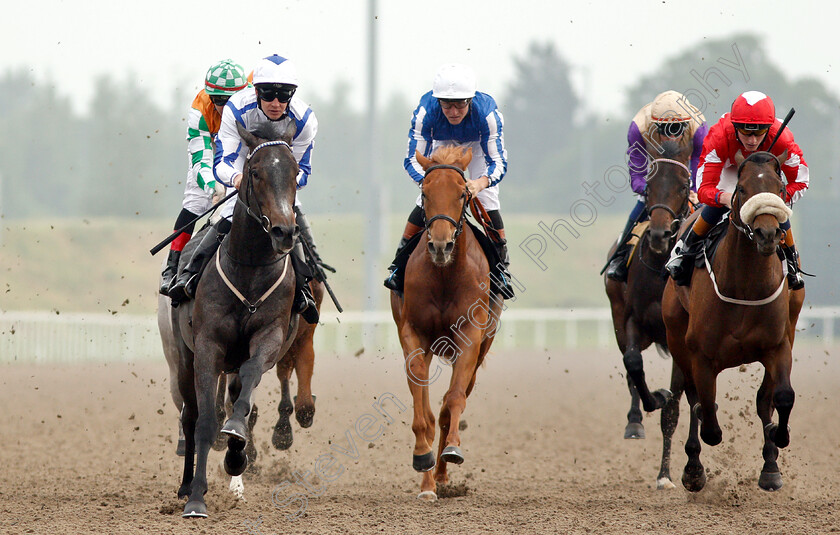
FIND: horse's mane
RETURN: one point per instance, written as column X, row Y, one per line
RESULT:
column 762, row 157
column 447, row 155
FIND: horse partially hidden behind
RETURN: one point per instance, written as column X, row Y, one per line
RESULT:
column 636, row 305
column 446, row 310
column 242, row 318
column 736, row 311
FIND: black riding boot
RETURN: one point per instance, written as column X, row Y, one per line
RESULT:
column 681, row 264
column 304, row 303
column 169, row 271
column 504, row 285
column 617, row 268
column 794, row 276
column 185, row 285
column 392, row 282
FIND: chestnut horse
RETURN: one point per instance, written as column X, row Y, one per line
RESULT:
column 739, row 310
column 446, row 310
column 242, row 318
column 636, row 305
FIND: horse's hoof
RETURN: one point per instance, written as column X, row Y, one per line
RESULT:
column 235, row 462
column 770, row 481
column 181, row 448
column 423, row 463
column 664, row 483
column 694, row 482
column 184, row 492
column 662, row 396
column 305, row 416
column 282, row 436
column 235, row 429
column 195, row 509
column 634, row 430
column 771, row 431
column 427, row 496
column 452, row 454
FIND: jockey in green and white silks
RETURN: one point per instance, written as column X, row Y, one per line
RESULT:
column 221, row 81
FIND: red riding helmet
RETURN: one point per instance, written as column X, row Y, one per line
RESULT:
column 753, row 108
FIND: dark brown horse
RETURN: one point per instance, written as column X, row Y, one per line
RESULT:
column 739, row 310
column 242, row 318
column 446, row 310
column 636, row 305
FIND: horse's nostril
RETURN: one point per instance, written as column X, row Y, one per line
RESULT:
column 449, row 246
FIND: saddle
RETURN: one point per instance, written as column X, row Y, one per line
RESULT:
column 486, row 245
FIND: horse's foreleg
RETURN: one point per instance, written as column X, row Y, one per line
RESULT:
column 634, row 427
column 417, row 360
column 206, row 380
column 236, row 427
column 705, row 381
column 694, row 475
column 634, row 365
column 282, row 437
column 454, row 403
column 668, row 422
column 304, row 368
column 771, row 477
column 775, row 392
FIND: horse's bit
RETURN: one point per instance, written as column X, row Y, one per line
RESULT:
column 262, row 219
column 459, row 225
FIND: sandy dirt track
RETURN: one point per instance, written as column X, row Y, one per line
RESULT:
column 90, row 449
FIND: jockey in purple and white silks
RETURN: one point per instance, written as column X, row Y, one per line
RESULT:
column 272, row 99
column 670, row 117
column 453, row 113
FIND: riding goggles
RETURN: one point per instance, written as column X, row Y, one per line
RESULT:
column 282, row 93
column 672, row 129
column 752, row 129
column 458, row 104
column 219, row 100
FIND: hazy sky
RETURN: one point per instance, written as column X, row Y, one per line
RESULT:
column 168, row 45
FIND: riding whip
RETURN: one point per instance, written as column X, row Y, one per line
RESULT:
column 784, row 124
column 154, row 250
column 318, row 270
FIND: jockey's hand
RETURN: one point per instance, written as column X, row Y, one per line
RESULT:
column 692, row 197
column 219, row 192
column 237, row 180
column 726, row 199
column 477, row 185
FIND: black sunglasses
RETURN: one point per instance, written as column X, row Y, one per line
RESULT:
column 219, row 100
column 675, row 129
column 268, row 94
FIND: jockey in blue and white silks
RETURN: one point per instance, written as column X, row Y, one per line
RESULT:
column 453, row 113
column 480, row 130
column 272, row 99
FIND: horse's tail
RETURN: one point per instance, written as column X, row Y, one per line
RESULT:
column 663, row 351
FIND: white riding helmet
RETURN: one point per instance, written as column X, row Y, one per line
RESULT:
column 454, row 81
column 670, row 107
column 275, row 70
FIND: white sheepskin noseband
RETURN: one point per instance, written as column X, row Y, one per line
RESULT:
column 764, row 203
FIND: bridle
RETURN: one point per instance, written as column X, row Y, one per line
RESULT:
column 459, row 225
column 260, row 218
column 737, row 196
column 678, row 217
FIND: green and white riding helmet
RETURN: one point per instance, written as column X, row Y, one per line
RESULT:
column 224, row 79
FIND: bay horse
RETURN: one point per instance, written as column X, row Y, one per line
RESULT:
column 446, row 310
column 736, row 311
column 636, row 305
column 242, row 318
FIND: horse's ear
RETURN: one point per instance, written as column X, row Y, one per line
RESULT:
column 290, row 131
column 424, row 162
column 466, row 158
column 249, row 138
column 782, row 158
column 739, row 158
